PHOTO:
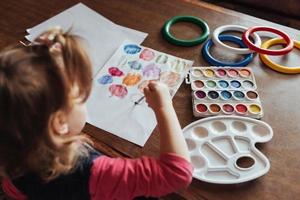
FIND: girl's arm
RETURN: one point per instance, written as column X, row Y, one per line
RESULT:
column 171, row 136
column 121, row 178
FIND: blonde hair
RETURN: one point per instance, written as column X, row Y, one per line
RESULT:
column 33, row 86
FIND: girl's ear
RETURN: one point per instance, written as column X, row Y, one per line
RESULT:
column 59, row 123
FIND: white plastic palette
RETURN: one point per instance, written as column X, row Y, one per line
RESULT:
column 223, row 151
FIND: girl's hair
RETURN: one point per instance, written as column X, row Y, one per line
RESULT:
column 35, row 83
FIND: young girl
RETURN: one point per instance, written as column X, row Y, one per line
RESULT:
column 43, row 89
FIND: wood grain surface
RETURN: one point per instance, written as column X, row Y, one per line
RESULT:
column 279, row 93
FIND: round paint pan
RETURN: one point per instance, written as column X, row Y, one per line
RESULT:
column 221, row 73
column 238, row 95
column 223, row 84
column 198, row 84
column 245, row 73
column 210, row 84
column 209, row 73
column 213, row 95
column 232, row 73
column 235, row 84
column 225, row 95
column 214, row 108
column 251, row 95
column 227, row 109
column 200, row 94
column 197, row 73
column 201, row 108
column 241, row 109
column 254, row 109
column 247, row 84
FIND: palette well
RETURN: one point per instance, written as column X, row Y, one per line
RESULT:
column 226, row 90
column 222, row 148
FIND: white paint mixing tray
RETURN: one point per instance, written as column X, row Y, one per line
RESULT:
column 223, row 151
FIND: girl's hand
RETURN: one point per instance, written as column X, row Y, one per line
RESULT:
column 157, row 96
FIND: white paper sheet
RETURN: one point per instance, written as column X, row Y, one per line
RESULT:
column 119, row 84
column 103, row 37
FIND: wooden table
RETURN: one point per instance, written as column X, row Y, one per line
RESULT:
column 279, row 93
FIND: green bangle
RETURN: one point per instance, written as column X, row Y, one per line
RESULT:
column 194, row 20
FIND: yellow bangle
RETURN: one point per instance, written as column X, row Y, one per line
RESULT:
column 267, row 61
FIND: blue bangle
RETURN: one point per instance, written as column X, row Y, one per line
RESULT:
column 230, row 38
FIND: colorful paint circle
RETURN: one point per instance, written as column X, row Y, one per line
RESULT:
column 223, row 84
column 201, row 108
column 106, row 79
column 214, row 108
column 233, row 73
column 197, row 72
column 213, row 94
column 241, row 108
column 132, row 49
column 235, row 84
column 238, row 95
column 255, row 109
column 226, row 95
column 199, row 84
column 211, row 84
column 200, row 94
column 245, row 72
column 209, row 73
column 227, row 108
column 221, row 72
column 252, row 95
column 248, row 84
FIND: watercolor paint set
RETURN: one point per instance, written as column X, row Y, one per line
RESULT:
column 224, row 90
column 223, row 151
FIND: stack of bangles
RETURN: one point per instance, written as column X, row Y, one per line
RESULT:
column 246, row 46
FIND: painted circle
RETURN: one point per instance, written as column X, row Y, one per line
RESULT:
column 201, row 108
column 200, row 132
column 238, row 94
column 213, row 94
column 226, row 95
column 233, row 73
column 198, row 162
column 200, row 94
column 199, row 84
column 218, row 126
column 241, row 108
column 239, row 126
column 252, row 95
column 255, row 109
column 223, row 84
column 209, row 73
column 235, row 84
column 214, row 108
column 227, row 108
column 245, row 72
column 211, row 84
column 221, row 72
column 248, row 84
column 197, row 72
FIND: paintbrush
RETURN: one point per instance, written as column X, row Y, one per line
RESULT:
column 139, row 100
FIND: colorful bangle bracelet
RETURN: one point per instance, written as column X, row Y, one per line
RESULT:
column 229, row 38
column 195, row 20
column 251, row 46
column 221, row 29
column 267, row 61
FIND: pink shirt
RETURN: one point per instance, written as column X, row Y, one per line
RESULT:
column 123, row 178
